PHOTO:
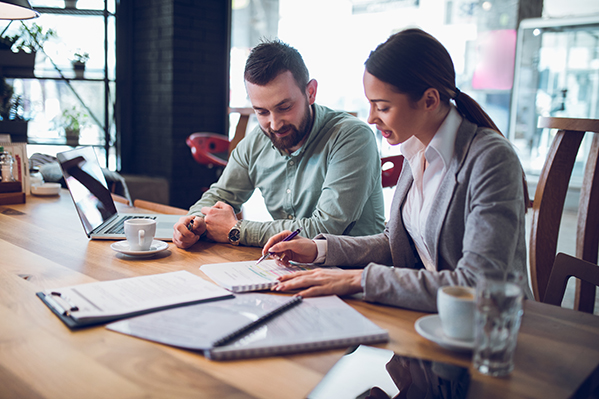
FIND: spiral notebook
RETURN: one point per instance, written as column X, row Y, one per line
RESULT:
column 256, row 325
column 248, row 276
column 315, row 324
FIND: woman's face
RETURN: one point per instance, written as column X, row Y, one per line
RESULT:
column 394, row 115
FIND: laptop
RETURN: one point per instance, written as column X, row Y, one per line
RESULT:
column 95, row 206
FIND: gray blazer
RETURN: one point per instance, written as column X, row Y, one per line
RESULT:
column 476, row 222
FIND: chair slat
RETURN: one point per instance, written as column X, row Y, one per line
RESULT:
column 548, row 206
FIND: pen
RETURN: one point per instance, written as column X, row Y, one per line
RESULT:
column 288, row 238
column 190, row 225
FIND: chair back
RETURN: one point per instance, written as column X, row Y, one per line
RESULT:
column 548, row 205
column 391, row 169
column 564, row 267
column 212, row 149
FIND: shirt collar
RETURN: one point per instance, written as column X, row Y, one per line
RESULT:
column 443, row 142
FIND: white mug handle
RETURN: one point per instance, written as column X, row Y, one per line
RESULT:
column 142, row 233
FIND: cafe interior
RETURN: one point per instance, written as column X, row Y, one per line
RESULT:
column 156, row 89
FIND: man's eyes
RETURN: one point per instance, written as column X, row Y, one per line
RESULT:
column 279, row 109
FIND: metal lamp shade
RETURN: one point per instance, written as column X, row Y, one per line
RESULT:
column 17, row 9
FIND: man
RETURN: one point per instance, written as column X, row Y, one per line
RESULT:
column 317, row 169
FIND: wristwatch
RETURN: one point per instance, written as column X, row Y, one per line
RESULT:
column 235, row 234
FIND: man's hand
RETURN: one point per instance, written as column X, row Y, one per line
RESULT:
column 219, row 219
column 183, row 237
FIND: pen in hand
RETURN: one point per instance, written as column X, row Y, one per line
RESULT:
column 190, row 225
column 288, row 238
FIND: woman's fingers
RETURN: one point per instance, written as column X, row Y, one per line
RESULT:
column 274, row 240
column 322, row 282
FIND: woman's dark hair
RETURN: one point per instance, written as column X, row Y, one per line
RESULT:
column 270, row 58
column 412, row 61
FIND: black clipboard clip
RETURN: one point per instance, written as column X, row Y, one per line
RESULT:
column 63, row 310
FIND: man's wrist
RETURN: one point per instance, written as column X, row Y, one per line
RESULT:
column 234, row 235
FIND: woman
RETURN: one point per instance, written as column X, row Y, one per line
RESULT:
column 459, row 203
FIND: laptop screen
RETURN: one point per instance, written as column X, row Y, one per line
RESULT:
column 87, row 185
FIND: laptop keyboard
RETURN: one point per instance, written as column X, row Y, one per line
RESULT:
column 119, row 228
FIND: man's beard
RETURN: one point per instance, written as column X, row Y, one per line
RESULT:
column 296, row 136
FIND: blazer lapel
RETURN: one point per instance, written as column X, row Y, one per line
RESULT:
column 442, row 201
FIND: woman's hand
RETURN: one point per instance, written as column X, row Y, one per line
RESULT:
column 322, row 282
column 299, row 249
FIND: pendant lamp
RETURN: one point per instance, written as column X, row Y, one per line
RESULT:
column 17, row 9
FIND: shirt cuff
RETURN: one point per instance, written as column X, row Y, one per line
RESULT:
column 321, row 248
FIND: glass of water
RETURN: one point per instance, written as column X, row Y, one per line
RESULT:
column 497, row 321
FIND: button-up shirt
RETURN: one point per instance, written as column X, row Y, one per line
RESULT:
column 429, row 165
column 332, row 184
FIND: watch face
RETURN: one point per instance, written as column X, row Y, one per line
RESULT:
column 234, row 235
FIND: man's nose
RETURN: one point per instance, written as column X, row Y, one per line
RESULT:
column 276, row 122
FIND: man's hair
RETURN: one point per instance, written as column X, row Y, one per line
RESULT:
column 270, row 58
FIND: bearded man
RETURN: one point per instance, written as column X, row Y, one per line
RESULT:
column 317, row 169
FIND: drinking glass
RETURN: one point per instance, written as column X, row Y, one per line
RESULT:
column 497, row 322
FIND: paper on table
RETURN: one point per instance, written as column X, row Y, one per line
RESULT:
column 247, row 276
column 204, row 325
column 130, row 295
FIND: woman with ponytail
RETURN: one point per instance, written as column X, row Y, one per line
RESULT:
column 459, row 203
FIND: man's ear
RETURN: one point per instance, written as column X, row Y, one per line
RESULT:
column 311, row 88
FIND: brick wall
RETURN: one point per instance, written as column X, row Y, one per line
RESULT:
column 172, row 77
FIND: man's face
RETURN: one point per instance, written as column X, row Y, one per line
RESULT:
column 283, row 110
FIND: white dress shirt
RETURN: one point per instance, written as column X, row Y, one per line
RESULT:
column 429, row 165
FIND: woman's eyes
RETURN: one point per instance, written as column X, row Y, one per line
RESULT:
column 382, row 109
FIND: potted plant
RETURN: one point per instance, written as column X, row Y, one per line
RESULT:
column 72, row 121
column 17, row 52
column 80, row 58
column 12, row 120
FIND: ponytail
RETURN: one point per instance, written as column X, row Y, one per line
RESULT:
column 475, row 114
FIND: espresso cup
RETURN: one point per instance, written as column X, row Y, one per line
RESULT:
column 456, row 306
column 140, row 233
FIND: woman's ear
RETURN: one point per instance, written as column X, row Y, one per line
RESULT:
column 431, row 99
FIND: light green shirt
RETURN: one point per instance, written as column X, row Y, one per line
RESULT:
column 332, row 184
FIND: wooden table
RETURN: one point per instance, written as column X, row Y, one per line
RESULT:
column 42, row 245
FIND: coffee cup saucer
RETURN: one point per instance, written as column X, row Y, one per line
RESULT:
column 124, row 248
column 430, row 328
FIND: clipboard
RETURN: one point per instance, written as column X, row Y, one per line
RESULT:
column 78, row 306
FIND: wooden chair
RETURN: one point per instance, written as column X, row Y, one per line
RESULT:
column 212, row 149
column 548, row 205
column 159, row 208
column 119, row 198
column 564, row 267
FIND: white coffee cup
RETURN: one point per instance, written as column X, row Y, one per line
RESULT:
column 140, row 233
column 456, row 306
